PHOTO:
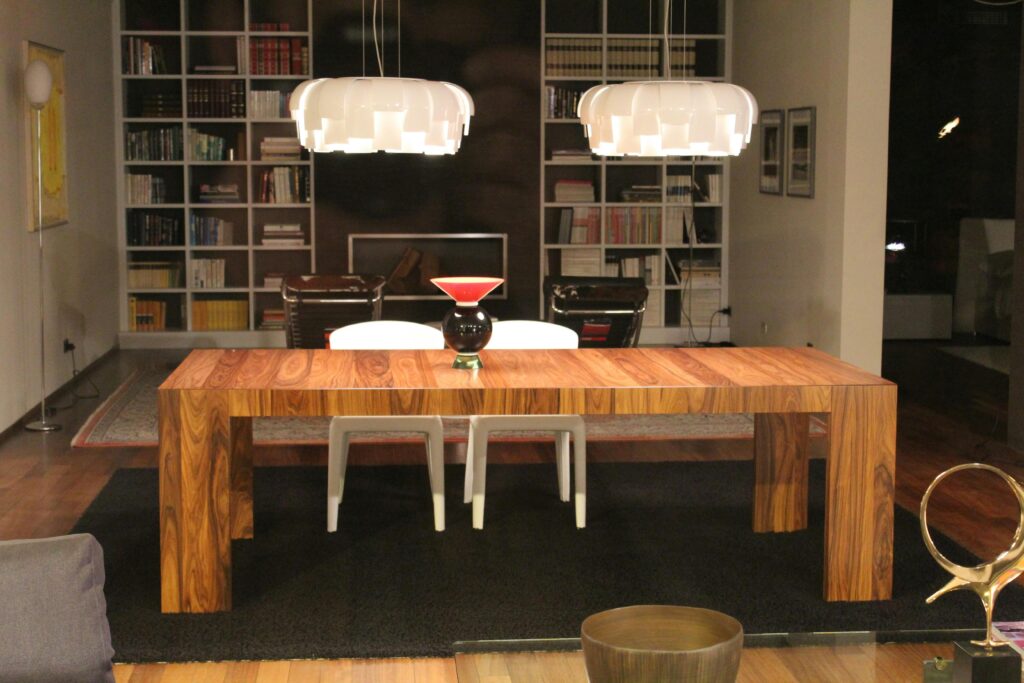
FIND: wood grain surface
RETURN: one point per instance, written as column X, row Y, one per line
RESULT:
column 206, row 460
column 781, row 457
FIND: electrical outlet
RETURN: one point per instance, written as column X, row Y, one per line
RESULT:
column 764, row 327
column 68, row 346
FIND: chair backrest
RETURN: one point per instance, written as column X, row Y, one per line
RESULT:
column 316, row 305
column 604, row 311
column 387, row 335
column 531, row 334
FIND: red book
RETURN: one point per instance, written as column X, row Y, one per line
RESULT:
column 284, row 56
column 296, row 56
column 253, row 55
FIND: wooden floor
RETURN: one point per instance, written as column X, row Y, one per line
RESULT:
column 950, row 412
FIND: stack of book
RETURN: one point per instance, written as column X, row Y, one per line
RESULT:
column 573, row 57
column 283, row 235
column 278, row 56
column 156, row 105
column 153, row 144
column 580, row 225
column 218, row 99
column 684, row 56
column 634, row 58
column 633, row 225
column 208, row 273
column 700, row 276
column 641, row 193
column 210, row 231
column 268, row 104
column 154, row 275
column 145, row 189
column 220, row 314
column 582, row 262
column 280, row 149
column 153, row 230
column 272, row 319
column 284, row 185
column 139, row 57
column 146, row 315
column 273, row 280
column 203, row 147
column 567, row 190
column 571, row 153
column 219, row 193
column 562, row 102
column 269, row 26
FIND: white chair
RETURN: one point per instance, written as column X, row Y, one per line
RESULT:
column 387, row 335
column 529, row 334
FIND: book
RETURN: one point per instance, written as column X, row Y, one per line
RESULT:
column 569, row 190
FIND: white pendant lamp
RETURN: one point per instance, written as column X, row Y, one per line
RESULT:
column 381, row 114
column 668, row 117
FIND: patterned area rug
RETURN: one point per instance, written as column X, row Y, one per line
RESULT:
column 129, row 418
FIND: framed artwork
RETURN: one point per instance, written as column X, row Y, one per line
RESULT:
column 772, row 136
column 800, row 152
column 50, row 145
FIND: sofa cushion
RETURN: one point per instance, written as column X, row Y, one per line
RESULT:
column 53, row 615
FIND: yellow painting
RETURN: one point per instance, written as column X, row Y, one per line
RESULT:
column 50, row 144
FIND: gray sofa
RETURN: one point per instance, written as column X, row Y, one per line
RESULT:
column 53, row 615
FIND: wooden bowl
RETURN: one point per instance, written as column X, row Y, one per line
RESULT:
column 658, row 643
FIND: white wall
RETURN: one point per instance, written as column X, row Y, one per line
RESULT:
column 81, row 257
column 811, row 270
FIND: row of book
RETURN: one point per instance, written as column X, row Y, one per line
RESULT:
column 219, row 193
column 208, row 273
column 278, row 56
column 280, row 149
column 210, row 231
column 154, row 274
column 145, row 188
column 146, row 315
column 641, row 193
column 141, row 57
column 269, row 26
column 647, row 266
column 204, row 147
column 225, row 69
column 283, row 235
column 572, row 190
column 153, row 230
column 268, row 104
column 580, row 225
column 220, row 314
column 572, row 57
column 633, row 225
column 160, row 105
column 562, row 102
column 642, row 57
column 285, row 185
column 154, row 144
column 700, row 276
column 216, row 99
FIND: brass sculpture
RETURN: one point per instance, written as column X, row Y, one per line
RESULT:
column 986, row 579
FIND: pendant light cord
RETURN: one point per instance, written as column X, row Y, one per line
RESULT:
column 362, row 48
column 399, row 38
column 376, row 45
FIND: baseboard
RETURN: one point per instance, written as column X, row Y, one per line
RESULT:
column 18, row 424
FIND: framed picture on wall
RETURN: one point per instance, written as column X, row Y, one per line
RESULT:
column 800, row 152
column 772, row 136
column 47, row 145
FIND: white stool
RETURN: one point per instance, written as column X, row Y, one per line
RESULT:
column 385, row 335
column 480, row 427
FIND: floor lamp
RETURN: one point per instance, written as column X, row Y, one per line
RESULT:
column 38, row 84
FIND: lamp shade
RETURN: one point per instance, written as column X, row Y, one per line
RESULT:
column 38, row 83
column 467, row 290
column 668, row 118
column 379, row 114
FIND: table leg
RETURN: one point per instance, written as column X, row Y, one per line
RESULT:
column 241, row 477
column 780, row 471
column 860, row 482
column 195, row 501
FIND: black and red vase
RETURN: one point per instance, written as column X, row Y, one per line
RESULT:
column 467, row 327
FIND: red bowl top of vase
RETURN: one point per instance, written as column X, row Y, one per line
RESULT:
column 467, row 290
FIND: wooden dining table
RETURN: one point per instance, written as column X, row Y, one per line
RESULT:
column 207, row 404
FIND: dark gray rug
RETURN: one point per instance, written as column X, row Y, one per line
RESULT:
column 387, row 585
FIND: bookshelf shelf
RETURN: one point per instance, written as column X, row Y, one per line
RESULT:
column 573, row 60
column 200, row 41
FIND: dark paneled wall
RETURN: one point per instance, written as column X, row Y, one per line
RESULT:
column 492, row 50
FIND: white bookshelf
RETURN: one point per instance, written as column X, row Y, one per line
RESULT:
column 247, row 259
column 610, row 174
